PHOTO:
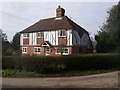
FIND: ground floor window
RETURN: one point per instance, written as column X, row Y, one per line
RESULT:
column 24, row 49
column 63, row 50
column 47, row 49
column 37, row 49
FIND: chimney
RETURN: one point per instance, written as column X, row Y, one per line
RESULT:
column 60, row 12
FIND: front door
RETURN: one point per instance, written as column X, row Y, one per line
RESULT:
column 47, row 51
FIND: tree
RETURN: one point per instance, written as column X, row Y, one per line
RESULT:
column 108, row 38
column 6, row 45
column 16, row 41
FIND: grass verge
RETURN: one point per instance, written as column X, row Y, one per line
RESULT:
column 18, row 73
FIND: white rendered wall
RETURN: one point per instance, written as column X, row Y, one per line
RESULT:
column 69, row 37
column 21, row 39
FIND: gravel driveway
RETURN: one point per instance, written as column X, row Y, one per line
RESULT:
column 106, row 80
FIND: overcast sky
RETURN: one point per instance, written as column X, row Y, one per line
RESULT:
column 16, row 16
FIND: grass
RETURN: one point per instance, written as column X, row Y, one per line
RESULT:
column 18, row 73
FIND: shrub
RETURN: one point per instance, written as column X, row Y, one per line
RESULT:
column 62, row 63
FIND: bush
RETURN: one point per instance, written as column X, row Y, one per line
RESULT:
column 8, row 72
column 57, row 64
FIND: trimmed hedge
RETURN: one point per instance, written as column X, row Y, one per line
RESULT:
column 42, row 64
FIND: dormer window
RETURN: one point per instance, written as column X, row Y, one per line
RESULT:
column 62, row 33
column 26, row 35
column 40, row 34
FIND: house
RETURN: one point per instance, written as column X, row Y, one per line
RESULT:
column 55, row 36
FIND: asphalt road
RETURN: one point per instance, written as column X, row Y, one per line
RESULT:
column 106, row 80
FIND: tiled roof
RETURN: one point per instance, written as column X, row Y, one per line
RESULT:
column 53, row 24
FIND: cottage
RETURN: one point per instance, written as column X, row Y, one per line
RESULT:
column 55, row 36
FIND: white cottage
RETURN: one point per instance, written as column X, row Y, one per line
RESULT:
column 55, row 36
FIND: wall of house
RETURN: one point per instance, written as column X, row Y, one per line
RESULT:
column 53, row 51
column 83, row 40
column 51, row 36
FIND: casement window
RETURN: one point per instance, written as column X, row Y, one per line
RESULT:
column 37, row 50
column 65, row 50
column 26, row 35
column 62, row 33
column 24, row 50
column 58, row 50
column 47, row 49
column 62, row 50
column 40, row 34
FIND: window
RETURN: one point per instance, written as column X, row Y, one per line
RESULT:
column 26, row 35
column 64, row 50
column 37, row 50
column 40, row 34
column 58, row 50
column 62, row 33
column 47, row 49
column 24, row 50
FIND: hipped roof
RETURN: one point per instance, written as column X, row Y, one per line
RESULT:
column 53, row 24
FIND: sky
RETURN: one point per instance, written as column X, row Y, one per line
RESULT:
column 16, row 16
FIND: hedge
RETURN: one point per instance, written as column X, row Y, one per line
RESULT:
column 48, row 64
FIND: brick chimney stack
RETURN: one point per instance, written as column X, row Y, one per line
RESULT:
column 60, row 12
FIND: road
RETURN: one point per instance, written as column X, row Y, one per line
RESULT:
column 106, row 80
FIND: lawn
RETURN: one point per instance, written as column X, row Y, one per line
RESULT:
column 18, row 73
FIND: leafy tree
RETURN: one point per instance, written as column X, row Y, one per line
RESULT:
column 108, row 38
column 6, row 45
column 16, row 41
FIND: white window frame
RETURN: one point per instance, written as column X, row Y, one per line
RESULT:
column 24, row 50
column 25, row 35
column 40, row 34
column 37, row 48
column 48, row 50
column 63, row 49
column 62, row 33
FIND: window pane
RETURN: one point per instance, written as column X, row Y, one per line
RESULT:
column 48, row 49
column 26, row 35
column 35, row 49
column 38, row 49
column 58, row 50
column 66, row 50
column 40, row 34
column 62, row 33
column 24, row 50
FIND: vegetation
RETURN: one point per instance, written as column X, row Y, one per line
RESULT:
column 19, row 73
column 62, row 64
column 10, row 48
column 16, row 41
column 108, row 38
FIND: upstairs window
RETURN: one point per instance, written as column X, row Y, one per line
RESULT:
column 37, row 50
column 40, row 34
column 62, row 33
column 26, row 35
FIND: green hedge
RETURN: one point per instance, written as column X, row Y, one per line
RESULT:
column 61, row 63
